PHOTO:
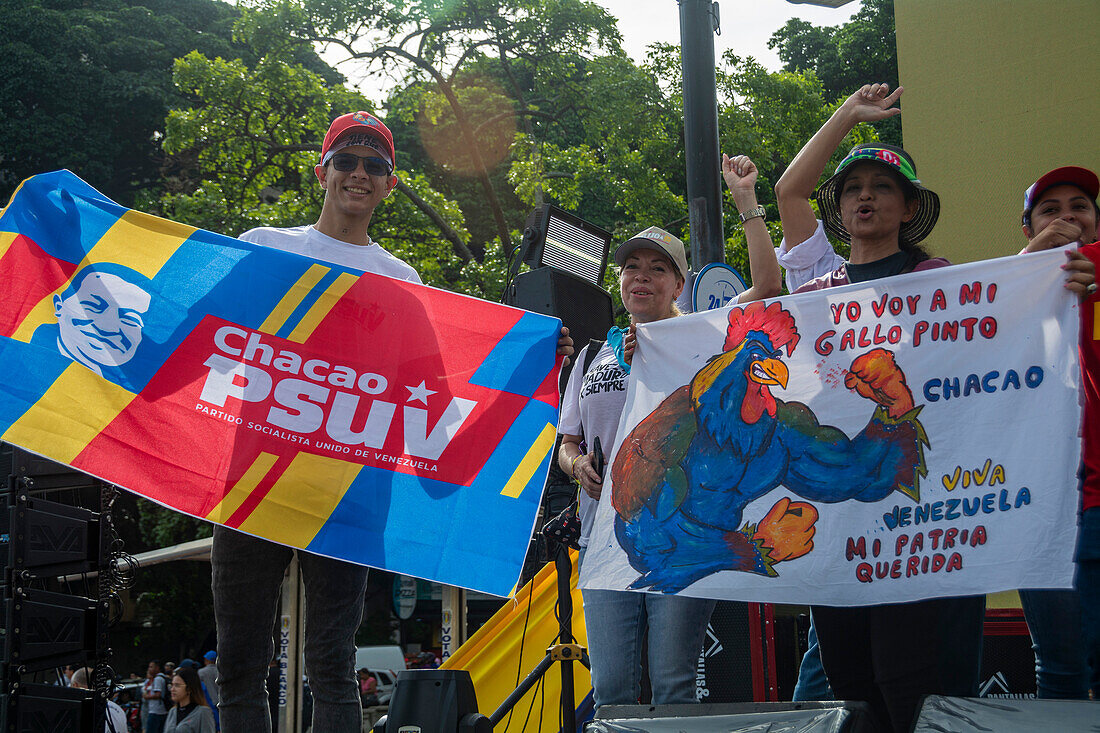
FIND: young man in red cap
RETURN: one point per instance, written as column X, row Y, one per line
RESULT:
column 1060, row 210
column 356, row 173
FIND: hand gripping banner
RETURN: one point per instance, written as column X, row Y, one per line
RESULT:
column 882, row 442
column 352, row 415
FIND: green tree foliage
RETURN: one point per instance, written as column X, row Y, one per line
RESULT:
column 87, row 85
column 451, row 44
column 243, row 155
column 845, row 57
column 623, row 165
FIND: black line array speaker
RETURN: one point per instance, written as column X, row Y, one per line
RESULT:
column 44, row 537
column 582, row 307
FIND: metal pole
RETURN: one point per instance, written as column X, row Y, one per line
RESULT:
column 452, row 634
column 290, row 651
column 563, row 564
column 698, row 23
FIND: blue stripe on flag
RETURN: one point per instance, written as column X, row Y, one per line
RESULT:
column 514, row 446
column 29, row 371
column 62, row 214
column 382, row 521
column 516, row 364
column 484, row 539
column 210, row 273
column 299, row 313
column 239, row 281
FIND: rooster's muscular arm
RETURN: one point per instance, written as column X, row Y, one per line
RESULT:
column 825, row 465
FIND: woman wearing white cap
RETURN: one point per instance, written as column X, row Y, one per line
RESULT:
column 653, row 270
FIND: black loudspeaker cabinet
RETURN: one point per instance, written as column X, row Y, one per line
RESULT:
column 37, row 708
column 583, row 308
column 737, row 661
column 433, row 701
column 1008, row 662
column 46, row 535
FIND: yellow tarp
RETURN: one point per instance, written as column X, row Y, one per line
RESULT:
column 492, row 655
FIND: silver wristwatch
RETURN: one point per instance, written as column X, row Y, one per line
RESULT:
column 753, row 213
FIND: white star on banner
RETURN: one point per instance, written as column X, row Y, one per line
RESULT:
column 419, row 392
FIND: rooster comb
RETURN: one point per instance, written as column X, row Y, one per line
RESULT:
column 771, row 319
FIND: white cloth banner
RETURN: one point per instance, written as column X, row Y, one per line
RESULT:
column 882, row 442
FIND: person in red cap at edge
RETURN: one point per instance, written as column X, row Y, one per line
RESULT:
column 356, row 173
column 1060, row 211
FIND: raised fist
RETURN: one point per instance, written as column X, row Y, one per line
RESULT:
column 877, row 377
column 788, row 529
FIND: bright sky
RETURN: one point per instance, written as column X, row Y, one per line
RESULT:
column 746, row 26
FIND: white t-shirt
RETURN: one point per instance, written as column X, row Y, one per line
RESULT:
column 591, row 406
column 809, row 260
column 305, row 240
column 157, row 684
column 116, row 719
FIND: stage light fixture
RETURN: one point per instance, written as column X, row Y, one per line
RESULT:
column 558, row 239
column 568, row 257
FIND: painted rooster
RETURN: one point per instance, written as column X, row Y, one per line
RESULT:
column 686, row 472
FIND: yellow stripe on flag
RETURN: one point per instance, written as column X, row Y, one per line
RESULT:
column 72, row 412
column 322, row 307
column 6, row 238
column 301, row 500
column 1096, row 321
column 530, row 463
column 140, row 241
column 295, row 295
column 247, row 483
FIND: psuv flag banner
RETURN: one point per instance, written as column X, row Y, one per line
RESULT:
column 882, row 442
column 352, row 415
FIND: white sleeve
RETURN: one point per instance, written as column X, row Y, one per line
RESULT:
column 810, row 259
column 569, row 423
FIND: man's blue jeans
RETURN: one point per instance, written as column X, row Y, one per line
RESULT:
column 812, row 685
column 616, row 622
column 1054, row 620
column 247, row 573
column 1065, row 624
column 155, row 723
column 1088, row 589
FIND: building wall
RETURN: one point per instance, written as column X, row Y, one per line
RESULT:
column 997, row 92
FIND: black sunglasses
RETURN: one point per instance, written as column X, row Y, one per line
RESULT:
column 372, row 165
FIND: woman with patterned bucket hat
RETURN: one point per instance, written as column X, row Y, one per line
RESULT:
column 888, row 655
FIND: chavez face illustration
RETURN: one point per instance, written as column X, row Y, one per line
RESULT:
column 101, row 321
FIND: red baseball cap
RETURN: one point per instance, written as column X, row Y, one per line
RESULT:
column 358, row 128
column 1072, row 175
